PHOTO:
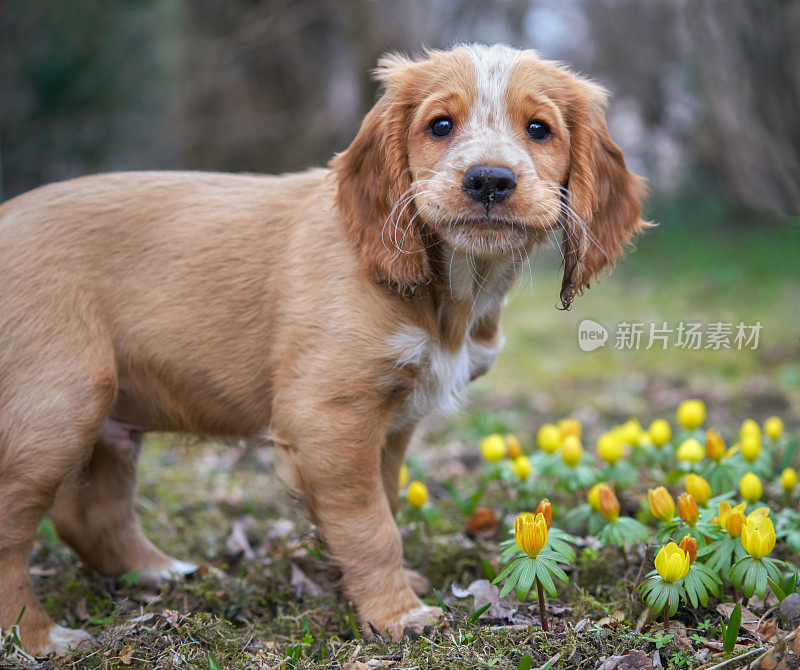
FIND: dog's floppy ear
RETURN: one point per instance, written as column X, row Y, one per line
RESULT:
column 604, row 201
column 373, row 184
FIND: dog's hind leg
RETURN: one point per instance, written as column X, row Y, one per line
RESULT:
column 94, row 512
column 48, row 423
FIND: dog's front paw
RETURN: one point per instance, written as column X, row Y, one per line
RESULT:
column 63, row 641
column 416, row 622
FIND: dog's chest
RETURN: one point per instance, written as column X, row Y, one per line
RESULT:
column 441, row 374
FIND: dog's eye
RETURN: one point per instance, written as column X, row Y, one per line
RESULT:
column 442, row 126
column 537, row 130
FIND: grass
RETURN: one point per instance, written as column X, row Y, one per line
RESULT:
column 251, row 607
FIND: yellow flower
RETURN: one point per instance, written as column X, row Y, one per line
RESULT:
column 672, row 563
column 530, row 532
column 687, row 509
column 630, row 432
column 715, row 445
column 546, row 510
column 571, row 450
column 403, row 478
column 749, row 427
column 514, row 447
column 608, row 503
column 593, row 497
column 493, row 448
column 789, row 479
column 521, row 467
column 698, row 487
column 689, row 545
column 731, row 518
column 750, row 488
column 417, row 494
column 691, row 451
column 549, row 438
column 773, row 427
column 661, row 503
column 691, row 414
column 757, row 514
column 570, row 427
column 750, row 446
column 660, row 432
column 610, row 447
column 758, row 537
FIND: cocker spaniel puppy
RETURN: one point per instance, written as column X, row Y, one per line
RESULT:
column 330, row 310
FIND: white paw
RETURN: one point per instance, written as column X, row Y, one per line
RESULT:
column 416, row 622
column 65, row 640
column 175, row 571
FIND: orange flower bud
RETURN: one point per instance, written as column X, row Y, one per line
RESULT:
column 689, row 545
column 687, row 509
column 715, row 445
column 609, row 505
column 545, row 509
column 661, row 503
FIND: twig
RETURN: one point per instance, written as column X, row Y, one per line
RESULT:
column 741, row 657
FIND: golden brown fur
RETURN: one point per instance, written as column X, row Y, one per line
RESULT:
column 307, row 307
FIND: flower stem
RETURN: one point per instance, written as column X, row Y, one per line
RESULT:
column 735, row 594
column 542, row 613
column 625, row 558
column 666, row 620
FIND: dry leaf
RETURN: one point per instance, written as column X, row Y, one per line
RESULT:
column 302, row 584
column 126, row 655
column 482, row 522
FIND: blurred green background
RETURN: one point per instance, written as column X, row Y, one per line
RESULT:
column 705, row 99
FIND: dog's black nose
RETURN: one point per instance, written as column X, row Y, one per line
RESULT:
column 488, row 184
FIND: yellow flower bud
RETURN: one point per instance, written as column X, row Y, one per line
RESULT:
column 417, row 494
column 630, row 431
column 773, row 427
column 545, row 509
column 698, row 487
column 593, row 497
column 571, row 450
column 610, row 447
column 749, row 427
column 758, row 537
column 549, row 438
column 530, row 532
column 493, row 448
column 514, row 447
column 750, row 488
column 660, row 432
column 521, row 467
column 687, row 509
column 691, row 451
column 403, row 477
column 608, row 503
column 661, row 503
column 689, row 545
column 672, row 563
column 731, row 518
column 715, row 445
column 691, row 414
column 750, row 446
column 570, row 427
column 789, row 479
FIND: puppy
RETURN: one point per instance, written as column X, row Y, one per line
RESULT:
column 330, row 310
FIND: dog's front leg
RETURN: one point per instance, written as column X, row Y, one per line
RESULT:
column 336, row 464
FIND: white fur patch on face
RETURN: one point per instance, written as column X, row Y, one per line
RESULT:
column 487, row 137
